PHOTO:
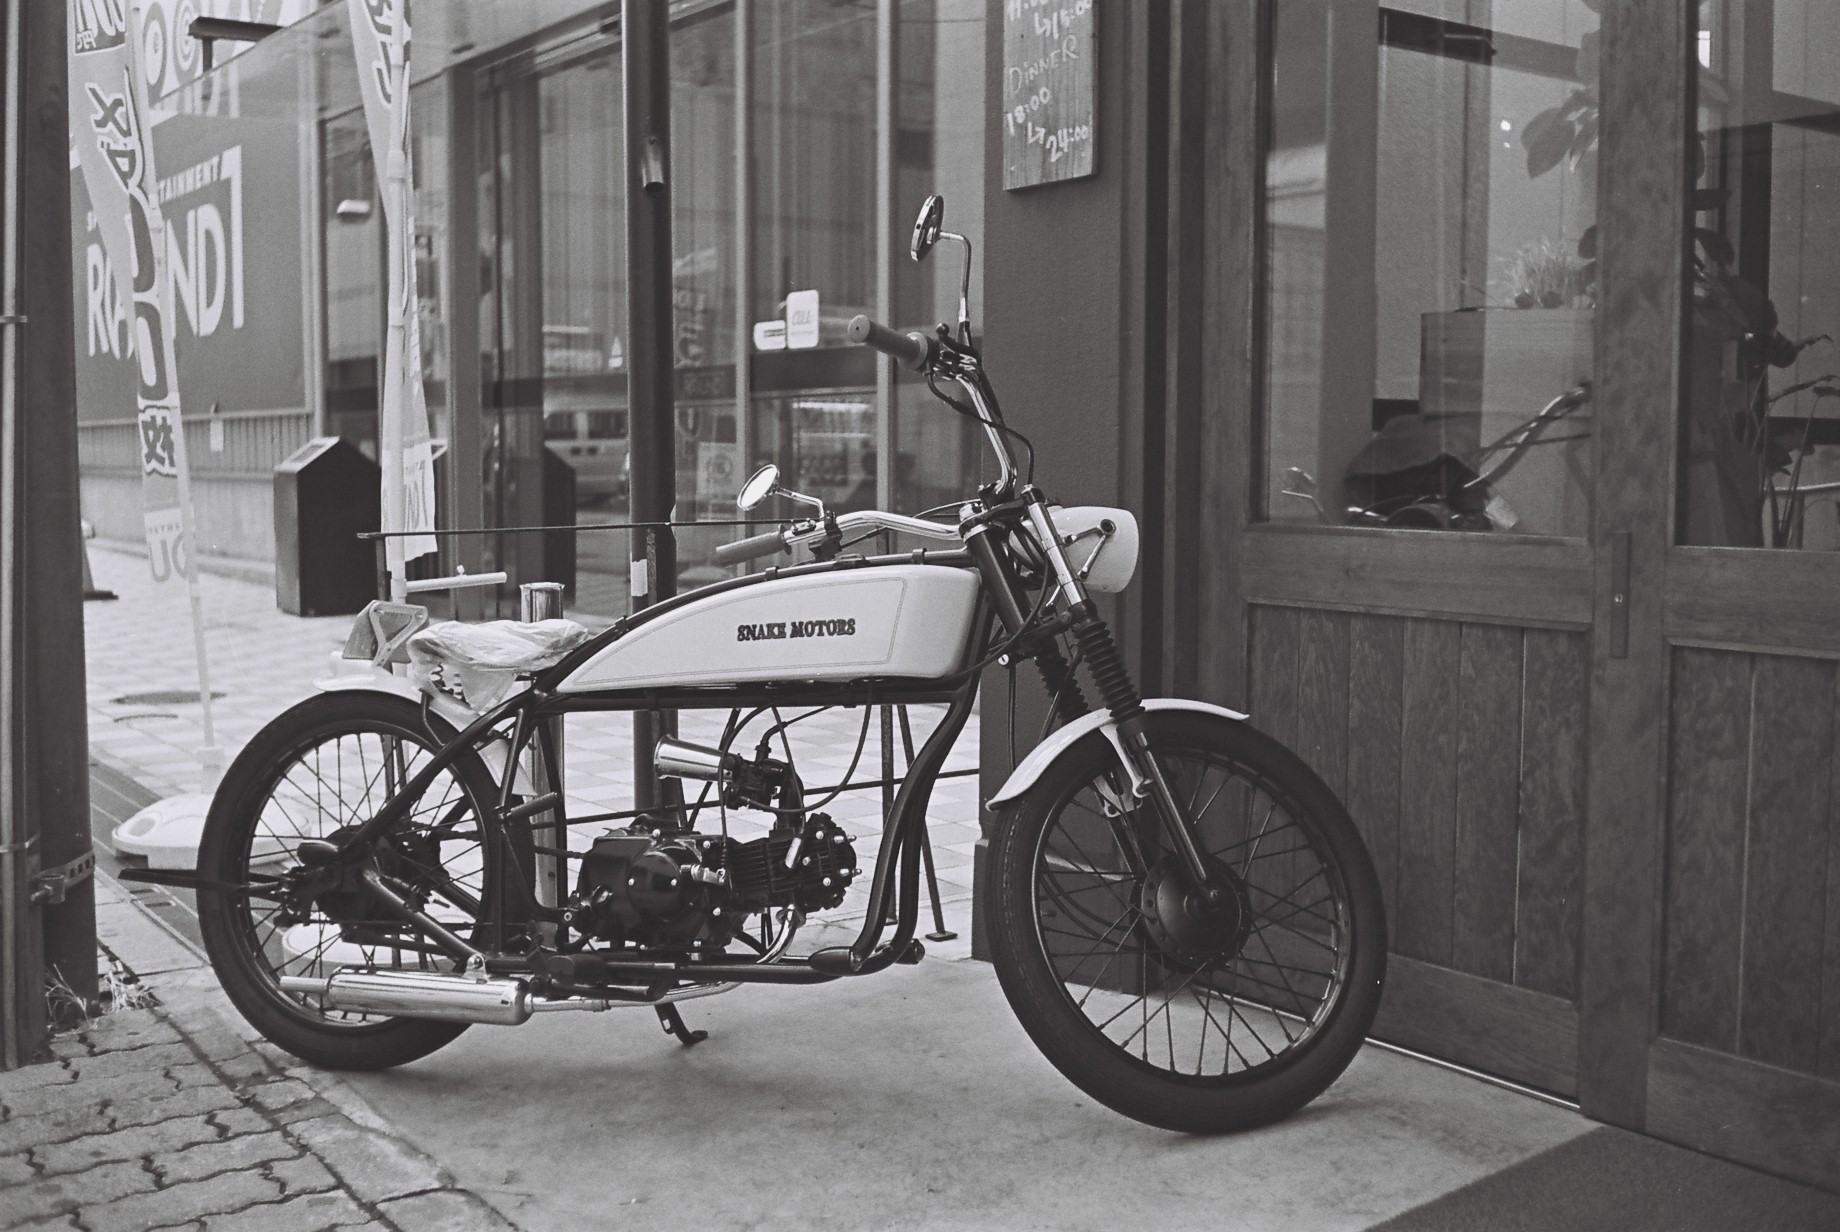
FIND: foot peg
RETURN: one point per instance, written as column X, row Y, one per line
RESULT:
column 673, row 1024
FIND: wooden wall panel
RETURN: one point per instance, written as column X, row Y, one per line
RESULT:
column 1550, row 874
column 1427, row 789
column 1488, row 783
column 1786, row 861
column 1707, row 778
column 1375, row 676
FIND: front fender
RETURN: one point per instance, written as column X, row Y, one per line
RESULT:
column 1044, row 754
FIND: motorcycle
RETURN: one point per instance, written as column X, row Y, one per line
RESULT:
column 1180, row 913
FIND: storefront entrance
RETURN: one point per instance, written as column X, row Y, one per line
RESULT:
column 1570, row 661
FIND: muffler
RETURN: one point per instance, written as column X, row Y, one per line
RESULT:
column 420, row 994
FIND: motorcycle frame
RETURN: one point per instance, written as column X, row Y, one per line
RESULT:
column 509, row 825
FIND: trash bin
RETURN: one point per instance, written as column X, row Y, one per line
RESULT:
column 326, row 493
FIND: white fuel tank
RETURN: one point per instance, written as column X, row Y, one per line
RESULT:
column 890, row 620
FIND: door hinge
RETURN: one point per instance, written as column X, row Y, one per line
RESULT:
column 49, row 885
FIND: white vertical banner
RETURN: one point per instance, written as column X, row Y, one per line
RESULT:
column 108, row 116
column 380, row 39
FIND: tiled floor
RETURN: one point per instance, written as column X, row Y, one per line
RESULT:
column 263, row 660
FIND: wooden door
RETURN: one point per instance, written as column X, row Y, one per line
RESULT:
column 1440, row 682
column 1713, row 916
column 1596, row 769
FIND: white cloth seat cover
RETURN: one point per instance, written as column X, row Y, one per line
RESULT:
column 477, row 665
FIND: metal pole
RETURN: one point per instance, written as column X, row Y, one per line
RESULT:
column 645, row 50
column 44, row 787
column 22, row 1017
column 885, row 103
column 543, row 601
column 744, row 240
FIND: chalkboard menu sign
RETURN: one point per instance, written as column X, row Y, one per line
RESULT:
column 1049, row 91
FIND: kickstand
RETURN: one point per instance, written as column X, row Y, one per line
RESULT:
column 673, row 1024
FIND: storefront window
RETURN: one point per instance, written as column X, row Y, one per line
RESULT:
column 1760, row 441
column 813, row 131
column 1430, row 255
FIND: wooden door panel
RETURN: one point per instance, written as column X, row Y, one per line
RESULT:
column 1750, row 955
column 1488, row 720
column 1375, row 678
column 1552, row 769
column 1459, row 749
column 1427, row 789
column 1773, row 1119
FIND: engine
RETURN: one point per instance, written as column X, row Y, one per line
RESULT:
column 681, row 890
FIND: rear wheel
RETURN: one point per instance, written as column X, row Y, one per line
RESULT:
column 1184, row 1012
column 318, row 771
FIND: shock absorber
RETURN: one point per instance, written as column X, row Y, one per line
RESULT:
column 1063, row 687
column 1107, row 666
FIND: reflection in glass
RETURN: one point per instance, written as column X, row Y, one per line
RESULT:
column 1760, row 461
column 1430, row 193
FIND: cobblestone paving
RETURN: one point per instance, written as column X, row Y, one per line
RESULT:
column 152, row 1119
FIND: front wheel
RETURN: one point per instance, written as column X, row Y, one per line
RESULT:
column 1185, row 1011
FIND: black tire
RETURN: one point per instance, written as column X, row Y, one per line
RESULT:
column 1094, row 947
column 320, row 767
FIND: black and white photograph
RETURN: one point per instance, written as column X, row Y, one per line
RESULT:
column 961, row 615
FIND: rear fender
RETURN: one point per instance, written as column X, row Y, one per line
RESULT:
column 363, row 677
column 1045, row 754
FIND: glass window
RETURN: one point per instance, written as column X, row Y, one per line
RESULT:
column 812, row 123
column 1430, row 194
column 1760, row 440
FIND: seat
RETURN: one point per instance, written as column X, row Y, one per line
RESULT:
column 478, row 665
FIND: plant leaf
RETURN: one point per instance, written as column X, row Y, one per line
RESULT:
column 1587, row 243
column 1588, row 58
column 1547, row 137
column 1584, row 138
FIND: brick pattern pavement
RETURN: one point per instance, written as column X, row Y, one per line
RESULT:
column 150, row 1119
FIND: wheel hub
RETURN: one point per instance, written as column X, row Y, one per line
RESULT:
column 1186, row 922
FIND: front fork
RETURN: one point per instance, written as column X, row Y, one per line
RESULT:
column 1142, row 776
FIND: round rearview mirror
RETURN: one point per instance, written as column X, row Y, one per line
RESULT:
column 758, row 487
column 926, row 226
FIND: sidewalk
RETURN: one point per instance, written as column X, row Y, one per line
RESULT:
column 168, row 1117
column 908, row 1100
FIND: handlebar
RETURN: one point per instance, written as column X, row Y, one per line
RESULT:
column 941, row 357
column 909, row 350
column 756, row 546
column 750, row 548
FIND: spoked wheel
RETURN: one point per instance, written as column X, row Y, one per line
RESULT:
column 1186, row 1009
column 315, row 773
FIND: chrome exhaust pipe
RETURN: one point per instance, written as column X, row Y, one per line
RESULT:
column 681, row 759
column 495, row 1000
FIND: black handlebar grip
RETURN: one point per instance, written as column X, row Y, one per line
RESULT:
column 908, row 350
column 749, row 548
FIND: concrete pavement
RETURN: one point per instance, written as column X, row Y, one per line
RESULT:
column 907, row 1100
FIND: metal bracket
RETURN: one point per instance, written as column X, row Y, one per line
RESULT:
column 50, row 885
